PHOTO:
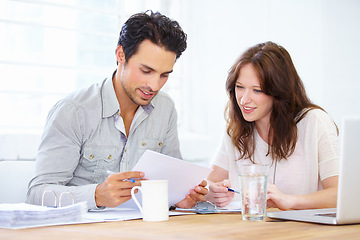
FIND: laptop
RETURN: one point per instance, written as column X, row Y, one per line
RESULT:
column 347, row 210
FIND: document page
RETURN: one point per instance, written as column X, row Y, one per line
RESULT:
column 182, row 175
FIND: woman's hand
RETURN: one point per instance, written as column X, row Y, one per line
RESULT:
column 325, row 198
column 277, row 199
column 219, row 193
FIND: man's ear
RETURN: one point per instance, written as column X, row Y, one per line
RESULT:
column 120, row 55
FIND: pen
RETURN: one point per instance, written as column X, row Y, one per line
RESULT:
column 232, row 190
column 128, row 179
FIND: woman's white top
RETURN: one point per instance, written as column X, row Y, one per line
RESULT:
column 316, row 157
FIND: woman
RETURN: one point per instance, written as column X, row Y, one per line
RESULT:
column 270, row 120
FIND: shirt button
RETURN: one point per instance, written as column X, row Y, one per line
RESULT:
column 125, row 150
column 143, row 143
column 91, row 156
column 160, row 144
column 109, row 157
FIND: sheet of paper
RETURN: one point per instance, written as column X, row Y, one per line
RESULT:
column 112, row 214
column 182, row 175
column 117, row 214
column 234, row 205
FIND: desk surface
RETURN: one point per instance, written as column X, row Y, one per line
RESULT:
column 207, row 226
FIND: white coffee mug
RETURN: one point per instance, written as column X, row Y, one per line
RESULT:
column 155, row 200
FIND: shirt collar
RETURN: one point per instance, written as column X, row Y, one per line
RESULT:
column 110, row 104
column 148, row 108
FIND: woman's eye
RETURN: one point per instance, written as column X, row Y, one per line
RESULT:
column 257, row 91
column 238, row 86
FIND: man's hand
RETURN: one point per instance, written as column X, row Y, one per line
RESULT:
column 196, row 195
column 115, row 190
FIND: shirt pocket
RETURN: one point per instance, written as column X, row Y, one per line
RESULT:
column 97, row 160
column 151, row 144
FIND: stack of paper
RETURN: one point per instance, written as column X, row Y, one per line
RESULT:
column 22, row 215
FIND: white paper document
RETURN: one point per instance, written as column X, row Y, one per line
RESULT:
column 22, row 215
column 117, row 214
column 182, row 175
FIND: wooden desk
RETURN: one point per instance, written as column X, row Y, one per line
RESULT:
column 209, row 226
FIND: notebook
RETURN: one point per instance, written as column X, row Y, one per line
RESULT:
column 347, row 210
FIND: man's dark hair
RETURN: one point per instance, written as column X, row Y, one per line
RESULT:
column 155, row 27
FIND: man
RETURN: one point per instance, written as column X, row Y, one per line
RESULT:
column 108, row 126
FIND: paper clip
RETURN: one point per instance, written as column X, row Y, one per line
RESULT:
column 55, row 198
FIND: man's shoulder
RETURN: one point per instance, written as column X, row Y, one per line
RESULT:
column 85, row 95
column 162, row 98
column 163, row 106
column 83, row 100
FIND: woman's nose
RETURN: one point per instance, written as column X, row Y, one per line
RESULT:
column 245, row 99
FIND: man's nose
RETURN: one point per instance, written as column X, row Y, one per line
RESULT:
column 154, row 84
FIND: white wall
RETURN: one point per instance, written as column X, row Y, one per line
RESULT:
column 322, row 36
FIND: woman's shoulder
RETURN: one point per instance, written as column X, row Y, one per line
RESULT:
column 317, row 114
column 317, row 117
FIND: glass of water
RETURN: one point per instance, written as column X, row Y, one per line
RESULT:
column 253, row 187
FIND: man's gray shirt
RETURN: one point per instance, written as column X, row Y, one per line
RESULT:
column 84, row 137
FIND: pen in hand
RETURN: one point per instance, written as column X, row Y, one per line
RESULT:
column 232, row 190
column 128, row 179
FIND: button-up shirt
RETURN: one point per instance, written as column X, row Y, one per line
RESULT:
column 84, row 136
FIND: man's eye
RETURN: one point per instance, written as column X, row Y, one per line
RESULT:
column 145, row 71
